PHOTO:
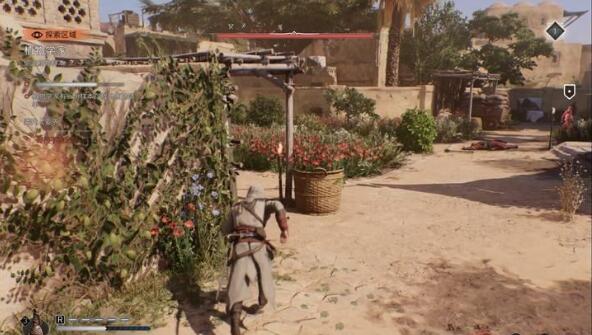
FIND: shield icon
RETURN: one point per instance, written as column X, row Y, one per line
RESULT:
column 569, row 91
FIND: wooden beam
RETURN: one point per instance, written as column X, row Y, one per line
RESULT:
column 471, row 99
column 273, row 79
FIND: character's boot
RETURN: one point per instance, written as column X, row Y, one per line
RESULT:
column 235, row 314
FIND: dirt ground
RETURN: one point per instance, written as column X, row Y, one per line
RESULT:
column 452, row 243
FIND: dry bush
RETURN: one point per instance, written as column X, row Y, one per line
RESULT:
column 572, row 189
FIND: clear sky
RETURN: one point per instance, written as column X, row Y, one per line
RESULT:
column 577, row 32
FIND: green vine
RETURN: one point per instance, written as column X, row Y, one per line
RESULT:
column 92, row 221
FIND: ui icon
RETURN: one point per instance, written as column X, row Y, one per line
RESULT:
column 569, row 91
column 555, row 31
column 34, row 325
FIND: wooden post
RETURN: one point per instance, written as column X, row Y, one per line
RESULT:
column 551, row 130
column 471, row 99
column 289, row 135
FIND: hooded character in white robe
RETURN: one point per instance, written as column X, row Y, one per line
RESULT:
column 251, row 254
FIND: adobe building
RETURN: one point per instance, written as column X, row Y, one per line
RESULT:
column 128, row 37
column 568, row 63
column 59, row 14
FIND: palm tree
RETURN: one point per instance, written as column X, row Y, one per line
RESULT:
column 394, row 13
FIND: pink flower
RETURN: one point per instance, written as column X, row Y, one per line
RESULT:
column 178, row 232
column 188, row 224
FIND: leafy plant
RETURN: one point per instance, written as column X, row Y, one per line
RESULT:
column 145, row 300
column 454, row 128
column 447, row 128
column 93, row 224
column 441, row 39
column 572, row 189
column 239, row 113
column 388, row 126
column 257, row 150
column 437, row 41
column 265, row 111
column 417, row 131
column 317, row 150
column 309, row 121
column 353, row 104
column 263, row 15
column 468, row 129
column 330, row 149
column 510, row 60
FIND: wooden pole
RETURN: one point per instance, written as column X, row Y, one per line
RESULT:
column 289, row 134
column 280, row 163
column 471, row 99
column 551, row 129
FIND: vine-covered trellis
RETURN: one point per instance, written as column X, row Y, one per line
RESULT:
column 278, row 68
column 99, row 221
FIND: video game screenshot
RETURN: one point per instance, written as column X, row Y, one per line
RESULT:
column 295, row 167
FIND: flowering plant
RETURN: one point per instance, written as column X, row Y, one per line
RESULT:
column 182, row 239
column 313, row 149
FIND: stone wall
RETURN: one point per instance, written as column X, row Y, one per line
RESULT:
column 58, row 14
column 564, row 67
column 355, row 60
column 390, row 101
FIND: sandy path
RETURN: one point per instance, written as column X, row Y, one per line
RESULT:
column 452, row 241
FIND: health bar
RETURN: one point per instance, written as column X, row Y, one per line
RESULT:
column 103, row 328
column 77, row 84
column 296, row 36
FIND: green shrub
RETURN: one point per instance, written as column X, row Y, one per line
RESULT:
column 388, row 126
column 363, row 127
column 239, row 113
column 310, row 122
column 359, row 156
column 468, row 130
column 352, row 103
column 256, row 147
column 451, row 128
column 265, row 111
column 417, row 131
column 447, row 129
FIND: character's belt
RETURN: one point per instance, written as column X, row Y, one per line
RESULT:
column 235, row 256
column 241, row 235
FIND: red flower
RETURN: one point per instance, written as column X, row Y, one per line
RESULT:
column 188, row 224
column 172, row 225
column 164, row 219
column 190, row 207
column 154, row 231
column 178, row 232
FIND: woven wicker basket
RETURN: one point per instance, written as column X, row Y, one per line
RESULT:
column 318, row 192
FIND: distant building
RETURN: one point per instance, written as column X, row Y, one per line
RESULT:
column 568, row 63
column 129, row 38
column 58, row 15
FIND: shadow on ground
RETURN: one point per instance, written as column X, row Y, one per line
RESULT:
column 521, row 164
column 535, row 191
column 517, row 138
column 465, row 299
column 198, row 307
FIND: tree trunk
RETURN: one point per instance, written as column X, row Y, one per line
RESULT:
column 394, row 47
